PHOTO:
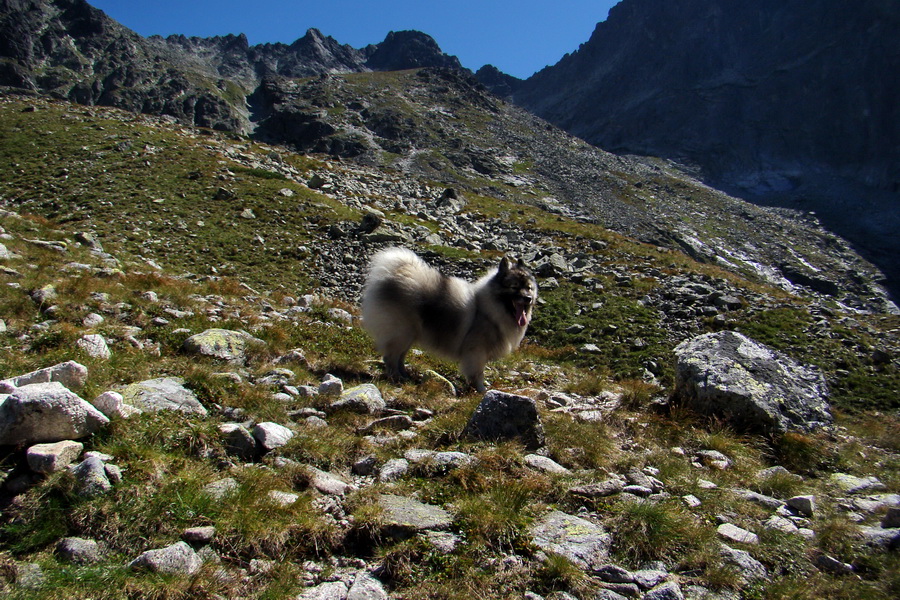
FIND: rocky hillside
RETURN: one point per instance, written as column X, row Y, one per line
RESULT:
column 789, row 104
column 190, row 409
column 317, row 95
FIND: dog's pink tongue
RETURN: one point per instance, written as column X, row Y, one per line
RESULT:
column 521, row 317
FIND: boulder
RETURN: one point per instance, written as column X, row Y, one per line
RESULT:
column 754, row 387
column 331, row 590
column 166, row 393
column 503, row 416
column 46, row 412
column 584, row 543
column 223, row 344
column 71, row 374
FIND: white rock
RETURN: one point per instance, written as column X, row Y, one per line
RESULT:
column 736, row 534
column 71, row 374
column 272, row 435
column 46, row 412
column 95, row 346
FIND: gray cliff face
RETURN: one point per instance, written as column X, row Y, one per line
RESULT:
column 741, row 88
column 791, row 104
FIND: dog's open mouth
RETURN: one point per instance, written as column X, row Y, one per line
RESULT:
column 520, row 311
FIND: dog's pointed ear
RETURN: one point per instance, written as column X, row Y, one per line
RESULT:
column 504, row 266
column 521, row 264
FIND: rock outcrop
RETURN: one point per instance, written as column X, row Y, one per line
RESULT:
column 755, row 388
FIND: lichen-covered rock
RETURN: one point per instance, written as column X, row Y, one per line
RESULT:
column 503, row 416
column 363, row 399
column 584, row 543
column 46, row 412
column 755, row 388
column 166, row 393
column 223, row 344
column 403, row 517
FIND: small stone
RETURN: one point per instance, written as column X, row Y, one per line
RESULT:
column 853, row 485
column 331, row 386
column 546, row 465
column 584, row 543
column 221, row 488
column 403, row 517
column 393, row 469
column 91, row 477
column 332, row 590
column 79, row 551
column 272, row 435
column 327, row 483
column 282, row 499
column 366, row 587
column 736, row 534
column 362, row 399
column 29, row 576
column 179, row 558
column 692, row 501
column 49, row 458
column 94, row 346
column 667, row 591
column 614, row 574
column 500, row 415
column 239, row 441
column 833, row 565
column 598, row 490
column 805, row 505
column 199, row 535
column 649, row 578
column 364, row 466
column 780, row 524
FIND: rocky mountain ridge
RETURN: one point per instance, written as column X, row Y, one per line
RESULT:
column 785, row 104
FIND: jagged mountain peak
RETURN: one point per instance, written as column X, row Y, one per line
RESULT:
column 407, row 50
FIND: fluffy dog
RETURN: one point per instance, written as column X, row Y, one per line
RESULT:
column 405, row 302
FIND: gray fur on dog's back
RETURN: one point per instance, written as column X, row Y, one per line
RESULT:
column 405, row 302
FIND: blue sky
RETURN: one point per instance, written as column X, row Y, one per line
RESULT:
column 519, row 37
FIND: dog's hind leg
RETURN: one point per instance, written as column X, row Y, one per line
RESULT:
column 394, row 351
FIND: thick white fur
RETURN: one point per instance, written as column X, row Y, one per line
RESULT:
column 469, row 325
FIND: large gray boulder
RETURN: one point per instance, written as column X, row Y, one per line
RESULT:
column 584, row 543
column 167, row 393
column 46, row 412
column 503, row 416
column 754, row 387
